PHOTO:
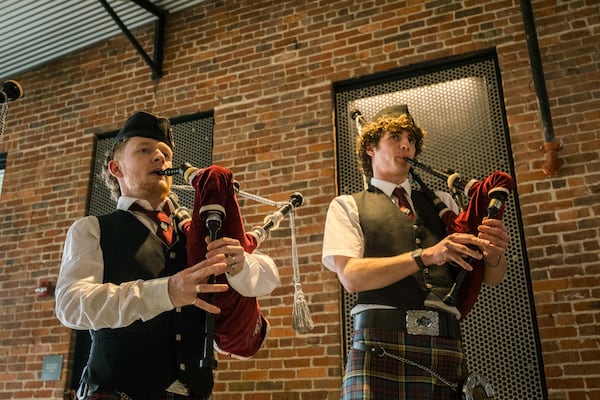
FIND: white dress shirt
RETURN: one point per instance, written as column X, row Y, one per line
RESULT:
column 84, row 302
column 343, row 235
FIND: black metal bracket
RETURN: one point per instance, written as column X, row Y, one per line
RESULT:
column 159, row 32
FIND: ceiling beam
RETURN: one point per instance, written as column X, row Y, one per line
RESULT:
column 156, row 62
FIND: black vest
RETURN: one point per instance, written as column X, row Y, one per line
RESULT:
column 389, row 232
column 144, row 358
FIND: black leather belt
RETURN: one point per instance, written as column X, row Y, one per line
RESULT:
column 101, row 394
column 415, row 322
column 105, row 395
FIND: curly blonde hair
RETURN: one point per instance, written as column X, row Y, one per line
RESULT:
column 371, row 134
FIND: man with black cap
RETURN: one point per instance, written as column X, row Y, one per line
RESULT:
column 123, row 276
column 387, row 244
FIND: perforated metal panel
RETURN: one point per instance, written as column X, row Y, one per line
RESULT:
column 193, row 136
column 459, row 104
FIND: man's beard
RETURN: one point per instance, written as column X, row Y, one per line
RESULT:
column 152, row 189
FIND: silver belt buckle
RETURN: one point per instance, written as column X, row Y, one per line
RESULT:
column 423, row 322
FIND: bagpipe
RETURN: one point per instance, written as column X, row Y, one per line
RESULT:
column 240, row 329
column 486, row 200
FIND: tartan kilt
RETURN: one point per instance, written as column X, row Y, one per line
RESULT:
column 371, row 377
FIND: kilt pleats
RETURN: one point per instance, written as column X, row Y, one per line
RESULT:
column 369, row 376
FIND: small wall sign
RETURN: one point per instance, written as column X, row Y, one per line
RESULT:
column 52, row 367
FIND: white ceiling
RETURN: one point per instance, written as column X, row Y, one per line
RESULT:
column 35, row 32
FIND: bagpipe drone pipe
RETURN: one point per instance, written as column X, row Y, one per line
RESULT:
column 240, row 329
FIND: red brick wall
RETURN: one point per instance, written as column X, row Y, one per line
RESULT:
column 266, row 68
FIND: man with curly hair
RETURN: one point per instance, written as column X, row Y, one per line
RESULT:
column 388, row 245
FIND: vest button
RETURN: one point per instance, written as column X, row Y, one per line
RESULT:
column 178, row 337
column 428, row 285
column 182, row 366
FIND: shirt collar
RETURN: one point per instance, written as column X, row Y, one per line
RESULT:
column 125, row 202
column 388, row 187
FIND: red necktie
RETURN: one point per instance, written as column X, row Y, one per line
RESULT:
column 164, row 228
column 403, row 203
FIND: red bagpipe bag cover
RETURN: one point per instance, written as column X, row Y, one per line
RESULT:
column 240, row 327
column 467, row 221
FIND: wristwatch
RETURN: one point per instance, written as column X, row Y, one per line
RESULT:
column 416, row 255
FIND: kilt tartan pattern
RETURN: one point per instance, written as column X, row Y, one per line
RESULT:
column 371, row 377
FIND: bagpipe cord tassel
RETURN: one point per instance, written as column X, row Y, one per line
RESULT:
column 301, row 320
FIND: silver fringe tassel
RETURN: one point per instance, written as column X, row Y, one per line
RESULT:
column 301, row 320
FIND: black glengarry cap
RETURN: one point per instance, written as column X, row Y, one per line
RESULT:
column 396, row 111
column 147, row 125
column 392, row 112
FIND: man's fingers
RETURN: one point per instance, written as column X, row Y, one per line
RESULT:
column 215, row 265
column 463, row 245
column 211, row 287
column 221, row 242
column 463, row 264
column 206, row 306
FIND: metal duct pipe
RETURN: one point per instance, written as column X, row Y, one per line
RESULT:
column 551, row 146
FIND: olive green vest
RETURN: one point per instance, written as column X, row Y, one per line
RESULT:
column 389, row 232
